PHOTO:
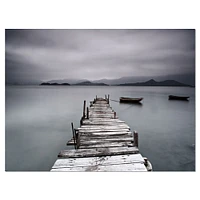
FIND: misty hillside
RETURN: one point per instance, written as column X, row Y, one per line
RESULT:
column 152, row 82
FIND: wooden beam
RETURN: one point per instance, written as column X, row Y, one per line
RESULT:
column 135, row 135
column 84, row 105
column 74, row 137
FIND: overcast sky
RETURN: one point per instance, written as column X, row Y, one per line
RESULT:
column 96, row 54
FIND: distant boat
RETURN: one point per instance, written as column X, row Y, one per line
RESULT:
column 172, row 97
column 130, row 100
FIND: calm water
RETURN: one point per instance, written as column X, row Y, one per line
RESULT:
column 38, row 124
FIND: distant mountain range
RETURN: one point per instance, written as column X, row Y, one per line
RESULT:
column 90, row 83
column 150, row 82
column 187, row 79
column 87, row 83
column 182, row 79
column 54, row 83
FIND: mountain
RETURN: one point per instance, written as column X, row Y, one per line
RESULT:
column 47, row 83
column 152, row 82
column 70, row 81
column 188, row 79
column 88, row 83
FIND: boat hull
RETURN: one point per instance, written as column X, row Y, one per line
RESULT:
column 172, row 97
column 130, row 100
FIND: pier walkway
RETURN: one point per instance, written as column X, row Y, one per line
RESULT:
column 102, row 143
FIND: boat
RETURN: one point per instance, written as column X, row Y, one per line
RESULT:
column 129, row 100
column 172, row 97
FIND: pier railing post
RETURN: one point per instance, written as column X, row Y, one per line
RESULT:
column 135, row 136
column 74, row 137
column 77, row 139
column 108, row 98
column 87, row 113
column 84, row 105
column 114, row 115
column 81, row 121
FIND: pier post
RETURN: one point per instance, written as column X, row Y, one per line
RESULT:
column 77, row 138
column 108, row 98
column 96, row 97
column 105, row 96
column 84, row 104
column 114, row 115
column 74, row 137
column 135, row 136
column 87, row 113
column 81, row 121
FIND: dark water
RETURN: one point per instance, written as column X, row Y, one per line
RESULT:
column 38, row 123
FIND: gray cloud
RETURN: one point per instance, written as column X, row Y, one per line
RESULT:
column 33, row 55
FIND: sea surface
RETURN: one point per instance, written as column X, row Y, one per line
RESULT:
column 38, row 123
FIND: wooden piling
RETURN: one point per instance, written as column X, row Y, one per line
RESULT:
column 87, row 113
column 108, row 98
column 84, row 105
column 135, row 135
column 74, row 137
column 77, row 139
column 114, row 115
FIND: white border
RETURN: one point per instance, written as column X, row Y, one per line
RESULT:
column 97, row 14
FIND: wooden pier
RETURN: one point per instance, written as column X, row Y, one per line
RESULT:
column 102, row 143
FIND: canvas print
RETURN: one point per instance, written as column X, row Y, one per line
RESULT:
column 93, row 100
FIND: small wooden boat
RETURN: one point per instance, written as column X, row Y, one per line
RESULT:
column 130, row 100
column 172, row 97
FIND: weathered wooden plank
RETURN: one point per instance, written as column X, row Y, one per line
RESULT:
column 71, row 142
column 107, row 120
column 96, row 105
column 101, row 116
column 138, row 167
column 104, row 160
column 102, row 137
column 93, row 127
column 105, row 117
column 102, row 130
column 101, row 102
column 97, row 152
column 101, row 112
column 110, row 144
column 106, row 133
column 89, row 141
column 101, row 108
column 103, row 123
